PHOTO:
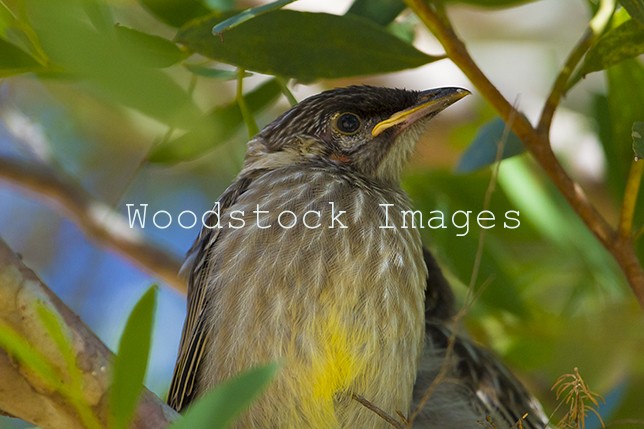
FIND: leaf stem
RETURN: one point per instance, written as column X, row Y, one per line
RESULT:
column 563, row 83
column 287, row 92
column 251, row 125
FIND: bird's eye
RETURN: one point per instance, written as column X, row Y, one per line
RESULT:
column 347, row 123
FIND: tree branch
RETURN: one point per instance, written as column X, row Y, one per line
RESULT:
column 98, row 221
column 538, row 145
column 26, row 394
column 595, row 29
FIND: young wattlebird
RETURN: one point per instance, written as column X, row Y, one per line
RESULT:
column 295, row 265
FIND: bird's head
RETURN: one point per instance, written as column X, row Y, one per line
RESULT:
column 370, row 130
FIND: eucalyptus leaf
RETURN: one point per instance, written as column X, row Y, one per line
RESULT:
column 175, row 12
column 404, row 29
column 116, row 73
column 131, row 360
column 215, row 128
column 151, row 50
column 100, row 14
column 484, row 149
column 18, row 33
column 381, row 12
column 218, row 408
column 15, row 61
column 621, row 43
column 305, row 46
column 635, row 9
column 492, row 3
column 248, row 14
column 220, row 5
column 622, row 110
column 638, row 140
column 214, row 73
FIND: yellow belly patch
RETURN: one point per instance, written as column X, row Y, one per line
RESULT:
column 334, row 369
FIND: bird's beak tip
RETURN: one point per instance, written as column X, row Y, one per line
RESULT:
column 429, row 101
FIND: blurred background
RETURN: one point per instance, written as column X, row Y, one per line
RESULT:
column 549, row 298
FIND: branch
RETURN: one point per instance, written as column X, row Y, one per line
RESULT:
column 97, row 220
column 379, row 411
column 595, row 29
column 538, row 145
column 24, row 392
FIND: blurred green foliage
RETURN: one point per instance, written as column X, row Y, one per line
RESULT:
column 131, row 361
column 549, row 297
column 219, row 407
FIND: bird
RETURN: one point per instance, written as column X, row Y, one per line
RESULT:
column 475, row 390
column 294, row 265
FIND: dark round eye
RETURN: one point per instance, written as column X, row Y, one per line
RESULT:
column 347, row 123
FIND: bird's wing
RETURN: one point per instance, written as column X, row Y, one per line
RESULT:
column 195, row 334
column 486, row 388
column 492, row 390
column 439, row 298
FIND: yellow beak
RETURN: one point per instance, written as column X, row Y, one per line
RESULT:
column 430, row 102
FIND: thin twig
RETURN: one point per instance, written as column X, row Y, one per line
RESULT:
column 561, row 85
column 379, row 411
column 287, row 92
column 472, row 292
column 488, row 196
column 249, row 120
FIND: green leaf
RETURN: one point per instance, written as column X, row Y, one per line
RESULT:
column 492, row 3
column 247, row 15
column 635, row 9
column 404, row 29
column 381, row 12
column 213, row 73
column 154, row 51
column 131, row 361
column 54, row 326
column 72, row 389
column 116, row 73
column 99, row 14
column 484, row 148
column 304, row 46
column 624, row 107
column 638, row 139
column 19, row 33
column 215, row 128
column 15, row 61
column 617, row 45
column 220, row 5
column 175, row 12
column 19, row 348
column 219, row 407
